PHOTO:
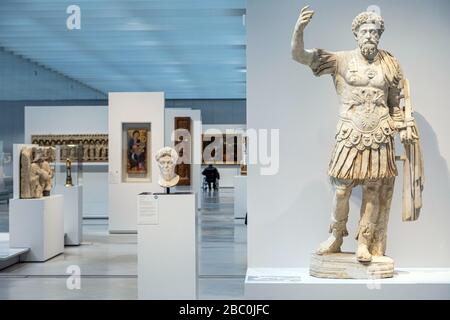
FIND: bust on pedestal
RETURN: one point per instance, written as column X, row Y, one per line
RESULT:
column 167, row 159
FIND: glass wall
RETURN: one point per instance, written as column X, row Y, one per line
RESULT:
column 6, row 187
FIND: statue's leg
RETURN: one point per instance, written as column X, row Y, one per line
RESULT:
column 370, row 209
column 39, row 191
column 339, row 217
column 378, row 246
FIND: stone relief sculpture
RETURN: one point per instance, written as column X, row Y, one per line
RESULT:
column 36, row 173
column 167, row 159
column 99, row 154
column 85, row 152
column 95, row 146
column 92, row 149
column 370, row 86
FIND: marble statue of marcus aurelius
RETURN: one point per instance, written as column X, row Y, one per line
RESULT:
column 370, row 86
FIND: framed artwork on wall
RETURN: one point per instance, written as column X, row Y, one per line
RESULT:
column 183, row 145
column 222, row 149
column 136, row 151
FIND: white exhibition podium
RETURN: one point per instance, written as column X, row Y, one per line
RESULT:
column 37, row 224
column 167, row 254
column 73, row 213
column 240, row 196
column 298, row 284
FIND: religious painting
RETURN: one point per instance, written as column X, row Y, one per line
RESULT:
column 137, row 150
column 183, row 145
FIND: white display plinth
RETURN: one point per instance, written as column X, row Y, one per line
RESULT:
column 9, row 256
column 296, row 283
column 167, row 255
column 240, row 197
column 37, row 224
column 73, row 213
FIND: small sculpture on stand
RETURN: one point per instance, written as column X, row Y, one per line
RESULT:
column 167, row 159
column 69, row 182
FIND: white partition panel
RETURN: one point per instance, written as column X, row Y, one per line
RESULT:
column 289, row 212
column 76, row 120
column 126, row 108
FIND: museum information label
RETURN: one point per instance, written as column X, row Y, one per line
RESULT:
column 147, row 209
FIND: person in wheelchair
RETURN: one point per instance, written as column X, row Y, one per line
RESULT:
column 211, row 176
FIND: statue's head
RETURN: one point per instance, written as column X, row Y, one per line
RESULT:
column 38, row 154
column 50, row 154
column 167, row 159
column 367, row 28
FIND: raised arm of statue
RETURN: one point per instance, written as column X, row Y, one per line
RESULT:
column 320, row 61
column 299, row 53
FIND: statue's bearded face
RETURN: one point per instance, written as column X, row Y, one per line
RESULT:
column 167, row 167
column 368, row 36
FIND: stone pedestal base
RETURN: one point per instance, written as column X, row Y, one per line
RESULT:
column 345, row 266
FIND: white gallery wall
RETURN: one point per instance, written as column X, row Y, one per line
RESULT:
column 196, row 136
column 288, row 213
column 227, row 172
column 76, row 120
column 132, row 107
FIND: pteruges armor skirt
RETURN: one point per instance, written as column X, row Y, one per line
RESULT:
column 360, row 155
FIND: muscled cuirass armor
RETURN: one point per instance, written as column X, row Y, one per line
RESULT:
column 364, row 138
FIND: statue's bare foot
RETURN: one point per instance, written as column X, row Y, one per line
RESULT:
column 363, row 254
column 331, row 245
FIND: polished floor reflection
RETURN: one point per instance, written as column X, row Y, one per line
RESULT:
column 108, row 263
column 4, row 217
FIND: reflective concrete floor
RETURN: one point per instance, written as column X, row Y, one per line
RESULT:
column 108, row 263
column 3, row 217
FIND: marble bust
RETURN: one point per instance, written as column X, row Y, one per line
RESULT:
column 370, row 85
column 167, row 159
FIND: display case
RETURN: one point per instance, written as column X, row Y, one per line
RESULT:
column 69, row 165
column 6, row 188
column 244, row 160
